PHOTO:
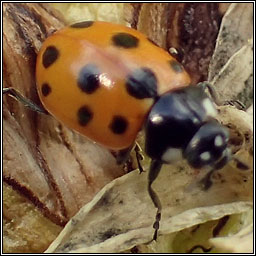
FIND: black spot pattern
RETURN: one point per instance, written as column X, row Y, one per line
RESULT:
column 84, row 115
column 176, row 66
column 46, row 89
column 142, row 83
column 83, row 24
column 50, row 55
column 88, row 78
column 125, row 40
column 118, row 125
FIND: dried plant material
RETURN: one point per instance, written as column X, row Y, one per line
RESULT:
column 235, row 79
column 110, row 223
column 59, row 171
column 191, row 28
column 197, row 239
column 231, row 67
column 75, row 12
column 250, row 111
column 115, row 227
column 23, row 224
column 236, row 29
column 240, row 242
column 150, row 19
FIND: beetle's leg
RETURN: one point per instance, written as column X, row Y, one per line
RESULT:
column 123, row 155
column 206, row 85
column 139, row 156
column 26, row 102
column 206, row 180
column 154, row 170
column 237, row 103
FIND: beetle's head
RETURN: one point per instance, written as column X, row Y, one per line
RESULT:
column 208, row 147
column 181, row 124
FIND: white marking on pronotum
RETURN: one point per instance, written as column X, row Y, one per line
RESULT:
column 156, row 119
column 209, row 107
column 195, row 120
column 205, row 156
column 218, row 141
column 171, row 155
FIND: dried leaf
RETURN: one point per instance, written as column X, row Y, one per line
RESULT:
column 110, row 223
column 26, row 230
column 39, row 154
column 236, row 77
column 75, row 12
column 241, row 242
column 235, row 31
column 231, row 67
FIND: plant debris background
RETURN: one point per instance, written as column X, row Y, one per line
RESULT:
column 51, row 172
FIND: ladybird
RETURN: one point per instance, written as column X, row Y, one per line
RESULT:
column 101, row 79
column 108, row 81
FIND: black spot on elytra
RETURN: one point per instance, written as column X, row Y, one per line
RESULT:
column 88, row 78
column 84, row 115
column 50, row 55
column 118, row 125
column 46, row 89
column 125, row 40
column 83, row 24
column 142, row 83
column 176, row 66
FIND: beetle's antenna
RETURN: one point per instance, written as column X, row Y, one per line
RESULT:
column 154, row 170
column 206, row 85
column 206, row 180
column 139, row 156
